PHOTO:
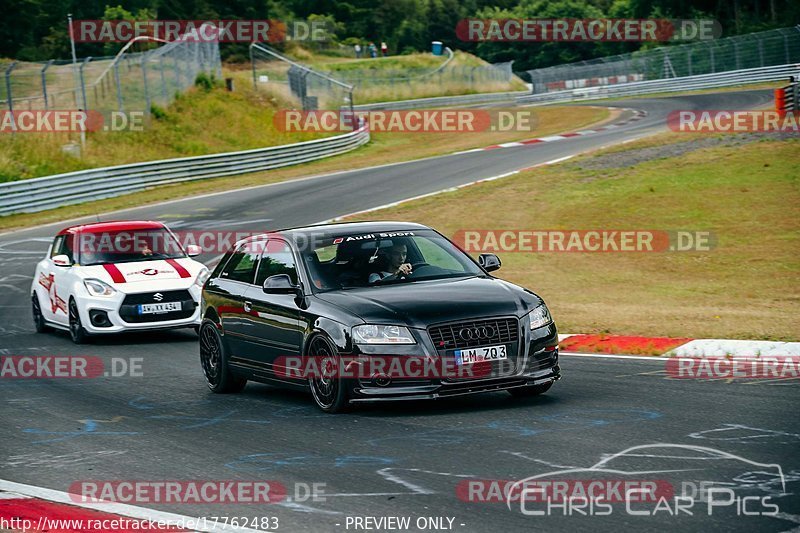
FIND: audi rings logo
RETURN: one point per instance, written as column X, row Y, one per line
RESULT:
column 476, row 333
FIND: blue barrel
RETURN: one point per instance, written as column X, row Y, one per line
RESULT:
column 437, row 48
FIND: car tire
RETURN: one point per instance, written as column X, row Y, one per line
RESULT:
column 330, row 394
column 38, row 318
column 76, row 330
column 214, row 361
column 528, row 392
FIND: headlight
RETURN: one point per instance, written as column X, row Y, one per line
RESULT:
column 372, row 334
column 202, row 277
column 540, row 317
column 98, row 288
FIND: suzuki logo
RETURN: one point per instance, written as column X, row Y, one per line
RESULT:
column 158, row 297
column 477, row 333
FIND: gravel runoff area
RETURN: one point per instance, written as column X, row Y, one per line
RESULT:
column 635, row 156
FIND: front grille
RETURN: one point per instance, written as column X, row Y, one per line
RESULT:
column 448, row 337
column 129, row 311
column 148, row 297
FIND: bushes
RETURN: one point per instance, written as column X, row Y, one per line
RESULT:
column 206, row 82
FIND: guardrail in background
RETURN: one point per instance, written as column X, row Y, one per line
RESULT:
column 686, row 83
column 38, row 194
column 787, row 99
column 753, row 50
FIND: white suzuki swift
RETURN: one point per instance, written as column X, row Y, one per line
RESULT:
column 117, row 276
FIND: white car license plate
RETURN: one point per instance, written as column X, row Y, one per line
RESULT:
column 166, row 307
column 477, row 355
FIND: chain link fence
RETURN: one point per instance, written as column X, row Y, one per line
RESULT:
column 130, row 81
column 305, row 87
column 754, row 50
column 313, row 89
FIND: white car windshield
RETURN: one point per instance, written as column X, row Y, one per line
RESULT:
column 127, row 246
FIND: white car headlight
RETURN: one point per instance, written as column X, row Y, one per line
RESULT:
column 202, row 277
column 99, row 288
column 540, row 317
column 374, row 334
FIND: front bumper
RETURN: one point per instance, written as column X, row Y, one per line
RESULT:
column 114, row 308
column 536, row 364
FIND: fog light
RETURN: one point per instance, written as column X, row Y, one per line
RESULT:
column 99, row 318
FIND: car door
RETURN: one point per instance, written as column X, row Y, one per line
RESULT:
column 278, row 326
column 229, row 289
column 53, row 282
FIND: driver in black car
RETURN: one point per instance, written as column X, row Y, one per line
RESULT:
column 396, row 266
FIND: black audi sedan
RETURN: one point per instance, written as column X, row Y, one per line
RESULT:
column 371, row 311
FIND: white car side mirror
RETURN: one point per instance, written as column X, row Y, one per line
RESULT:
column 193, row 250
column 61, row 260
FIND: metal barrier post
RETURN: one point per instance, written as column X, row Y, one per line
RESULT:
column 9, row 96
column 83, row 82
column 44, row 82
column 163, row 79
column 253, row 67
column 144, row 80
column 119, row 87
column 178, row 80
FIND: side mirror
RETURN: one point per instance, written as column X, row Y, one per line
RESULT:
column 489, row 262
column 281, row 284
column 61, row 260
column 193, row 250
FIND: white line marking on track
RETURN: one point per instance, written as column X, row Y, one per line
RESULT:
column 449, row 189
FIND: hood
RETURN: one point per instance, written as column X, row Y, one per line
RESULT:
column 130, row 275
column 419, row 304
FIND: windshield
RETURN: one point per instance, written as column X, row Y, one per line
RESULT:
column 378, row 259
column 128, row 246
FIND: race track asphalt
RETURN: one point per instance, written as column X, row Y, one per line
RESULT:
column 404, row 459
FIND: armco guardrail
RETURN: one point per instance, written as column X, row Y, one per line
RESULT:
column 443, row 101
column 787, row 99
column 38, row 194
column 686, row 83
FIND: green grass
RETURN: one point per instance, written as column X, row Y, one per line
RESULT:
column 747, row 196
column 383, row 148
column 198, row 123
column 391, row 78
